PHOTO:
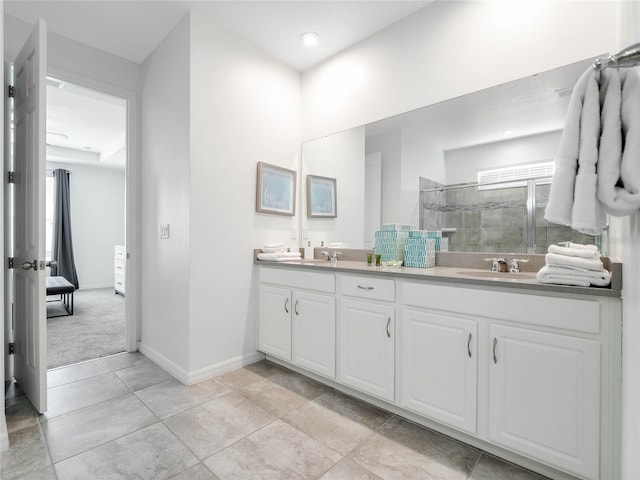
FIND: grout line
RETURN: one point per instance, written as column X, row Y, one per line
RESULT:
column 475, row 465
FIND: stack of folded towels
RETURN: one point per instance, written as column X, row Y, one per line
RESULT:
column 277, row 252
column 574, row 264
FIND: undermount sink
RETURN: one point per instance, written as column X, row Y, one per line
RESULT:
column 500, row 275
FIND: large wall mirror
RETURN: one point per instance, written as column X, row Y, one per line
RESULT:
column 476, row 167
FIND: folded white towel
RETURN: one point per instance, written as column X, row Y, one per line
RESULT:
column 279, row 256
column 618, row 166
column 573, row 276
column 274, row 245
column 554, row 259
column 583, row 246
column 574, row 252
column 274, row 249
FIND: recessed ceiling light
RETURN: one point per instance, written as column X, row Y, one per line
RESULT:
column 310, row 39
column 54, row 82
column 507, row 132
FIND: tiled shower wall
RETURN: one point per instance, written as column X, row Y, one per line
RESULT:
column 491, row 220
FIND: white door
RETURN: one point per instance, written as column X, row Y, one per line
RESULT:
column 372, row 197
column 544, row 397
column 30, row 336
column 274, row 321
column 367, row 347
column 440, row 361
column 314, row 332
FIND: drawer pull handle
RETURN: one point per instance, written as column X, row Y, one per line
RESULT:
column 295, row 307
column 364, row 288
column 286, row 305
column 388, row 332
column 469, row 345
column 495, row 344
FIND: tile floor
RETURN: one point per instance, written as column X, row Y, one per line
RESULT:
column 124, row 417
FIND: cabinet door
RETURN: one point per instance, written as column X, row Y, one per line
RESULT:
column 314, row 332
column 274, row 321
column 544, row 397
column 439, row 357
column 366, row 347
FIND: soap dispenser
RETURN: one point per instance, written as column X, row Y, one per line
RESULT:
column 308, row 251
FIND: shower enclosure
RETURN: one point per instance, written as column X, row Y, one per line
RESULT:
column 503, row 217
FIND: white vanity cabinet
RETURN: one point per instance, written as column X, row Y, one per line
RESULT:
column 439, row 365
column 366, row 345
column 297, row 318
column 544, row 397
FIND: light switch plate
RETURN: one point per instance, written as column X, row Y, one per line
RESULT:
column 164, row 231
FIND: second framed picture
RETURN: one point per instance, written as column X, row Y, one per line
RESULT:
column 321, row 197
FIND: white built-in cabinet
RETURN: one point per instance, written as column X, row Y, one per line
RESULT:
column 119, row 268
column 297, row 318
column 439, row 365
column 533, row 376
column 544, row 396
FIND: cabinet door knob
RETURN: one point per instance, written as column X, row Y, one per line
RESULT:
column 286, row 305
column 388, row 324
column 495, row 344
column 295, row 307
column 469, row 345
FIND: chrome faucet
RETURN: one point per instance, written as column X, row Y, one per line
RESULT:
column 333, row 256
column 515, row 267
column 498, row 264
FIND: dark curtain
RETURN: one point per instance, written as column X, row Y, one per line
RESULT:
column 62, row 250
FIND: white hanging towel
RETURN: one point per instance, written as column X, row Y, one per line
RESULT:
column 619, row 155
column 573, row 199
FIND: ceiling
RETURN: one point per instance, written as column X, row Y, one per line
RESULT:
column 86, row 127
column 132, row 29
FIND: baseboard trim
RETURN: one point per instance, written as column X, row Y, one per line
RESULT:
column 191, row 378
column 93, row 287
column 222, row 367
column 167, row 365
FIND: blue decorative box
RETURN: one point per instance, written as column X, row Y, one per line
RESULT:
column 390, row 244
column 420, row 252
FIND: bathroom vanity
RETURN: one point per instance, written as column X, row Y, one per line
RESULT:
column 526, row 371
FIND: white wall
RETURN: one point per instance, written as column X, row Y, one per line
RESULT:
column 165, row 149
column 462, row 164
column 339, row 156
column 449, row 49
column 245, row 108
column 390, row 146
column 97, row 220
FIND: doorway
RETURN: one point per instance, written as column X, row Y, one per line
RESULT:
column 86, row 133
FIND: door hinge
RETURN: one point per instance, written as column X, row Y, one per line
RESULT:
column 10, row 262
column 10, row 91
column 11, row 177
column 12, row 348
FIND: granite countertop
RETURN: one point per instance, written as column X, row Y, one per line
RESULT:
column 462, row 269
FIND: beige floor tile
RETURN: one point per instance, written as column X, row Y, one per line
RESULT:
column 171, row 397
column 80, row 371
column 27, row 454
column 84, row 429
column 241, row 377
column 278, row 451
column 338, row 421
column 153, row 453
column 492, row 468
column 402, row 450
column 73, row 396
column 125, row 360
column 197, row 472
column 349, row 470
column 47, row 473
column 214, row 425
column 143, row 375
column 20, row 413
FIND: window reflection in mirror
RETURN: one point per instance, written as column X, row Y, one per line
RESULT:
column 388, row 170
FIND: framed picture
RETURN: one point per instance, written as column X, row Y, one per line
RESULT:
column 275, row 190
column 321, row 197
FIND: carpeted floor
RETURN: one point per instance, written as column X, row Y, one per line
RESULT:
column 96, row 328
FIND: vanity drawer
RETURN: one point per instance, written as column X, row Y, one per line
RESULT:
column 369, row 287
column 119, row 252
column 320, row 282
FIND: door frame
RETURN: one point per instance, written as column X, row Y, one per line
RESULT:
column 132, row 193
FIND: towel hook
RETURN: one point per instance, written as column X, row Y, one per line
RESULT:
column 629, row 57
